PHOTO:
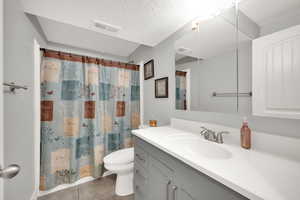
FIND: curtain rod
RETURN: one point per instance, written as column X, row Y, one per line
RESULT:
column 87, row 59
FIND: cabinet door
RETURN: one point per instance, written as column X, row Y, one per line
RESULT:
column 276, row 74
column 160, row 180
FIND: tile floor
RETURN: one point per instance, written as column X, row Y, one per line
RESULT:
column 101, row 189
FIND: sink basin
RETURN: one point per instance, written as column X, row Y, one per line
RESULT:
column 198, row 147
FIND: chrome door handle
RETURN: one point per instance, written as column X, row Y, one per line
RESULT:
column 10, row 171
column 168, row 184
column 174, row 188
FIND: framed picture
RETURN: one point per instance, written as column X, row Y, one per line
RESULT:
column 161, row 88
column 149, row 70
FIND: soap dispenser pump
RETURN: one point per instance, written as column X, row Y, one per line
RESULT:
column 245, row 135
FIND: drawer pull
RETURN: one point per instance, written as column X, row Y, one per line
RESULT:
column 167, row 192
column 139, row 157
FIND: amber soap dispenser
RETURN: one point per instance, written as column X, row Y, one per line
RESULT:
column 245, row 135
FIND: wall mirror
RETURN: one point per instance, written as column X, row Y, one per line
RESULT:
column 269, row 49
column 206, row 65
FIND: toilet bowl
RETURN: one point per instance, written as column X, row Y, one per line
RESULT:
column 121, row 163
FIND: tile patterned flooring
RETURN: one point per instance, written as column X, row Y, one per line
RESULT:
column 101, row 189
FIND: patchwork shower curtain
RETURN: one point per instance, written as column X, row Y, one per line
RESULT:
column 88, row 109
column 180, row 90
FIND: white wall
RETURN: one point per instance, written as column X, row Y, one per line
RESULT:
column 19, row 35
column 164, row 62
column 157, row 108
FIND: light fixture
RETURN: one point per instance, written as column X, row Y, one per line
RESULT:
column 210, row 8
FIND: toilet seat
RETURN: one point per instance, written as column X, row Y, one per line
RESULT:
column 119, row 168
column 120, row 157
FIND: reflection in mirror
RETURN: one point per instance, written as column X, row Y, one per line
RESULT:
column 272, row 86
column 206, row 66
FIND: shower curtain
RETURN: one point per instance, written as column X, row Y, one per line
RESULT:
column 180, row 90
column 88, row 108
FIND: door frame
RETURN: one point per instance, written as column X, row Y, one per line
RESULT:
column 1, row 95
column 37, row 114
column 188, row 88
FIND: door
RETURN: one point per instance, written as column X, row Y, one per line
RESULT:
column 276, row 74
column 11, row 170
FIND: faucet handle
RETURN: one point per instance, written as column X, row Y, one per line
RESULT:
column 220, row 136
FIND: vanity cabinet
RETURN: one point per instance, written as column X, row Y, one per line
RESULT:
column 159, row 176
column 276, row 74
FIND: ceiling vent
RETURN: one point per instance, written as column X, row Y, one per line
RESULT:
column 106, row 26
column 187, row 59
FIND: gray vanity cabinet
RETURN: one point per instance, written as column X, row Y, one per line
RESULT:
column 153, row 178
column 159, row 176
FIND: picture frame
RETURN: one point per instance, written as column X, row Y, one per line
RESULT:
column 162, row 87
column 149, row 70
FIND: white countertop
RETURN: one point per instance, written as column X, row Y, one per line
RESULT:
column 253, row 173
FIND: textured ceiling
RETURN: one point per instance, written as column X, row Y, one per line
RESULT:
column 82, row 38
column 262, row 10
column 145, row 22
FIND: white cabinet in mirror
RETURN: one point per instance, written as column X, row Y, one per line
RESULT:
column 276, row 74
column 275, row 56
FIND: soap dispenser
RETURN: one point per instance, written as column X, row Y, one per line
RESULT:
column 245, row 135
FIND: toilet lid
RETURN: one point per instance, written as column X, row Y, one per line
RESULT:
column 123, row 156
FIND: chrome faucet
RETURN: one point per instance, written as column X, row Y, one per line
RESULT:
column 212, row 136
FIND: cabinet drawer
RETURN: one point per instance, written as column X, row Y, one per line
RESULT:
column 140, row 156
column 147, row 151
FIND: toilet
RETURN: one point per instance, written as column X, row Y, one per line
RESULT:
column 121, row 163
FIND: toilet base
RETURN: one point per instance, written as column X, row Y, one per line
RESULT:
column 124, row 184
